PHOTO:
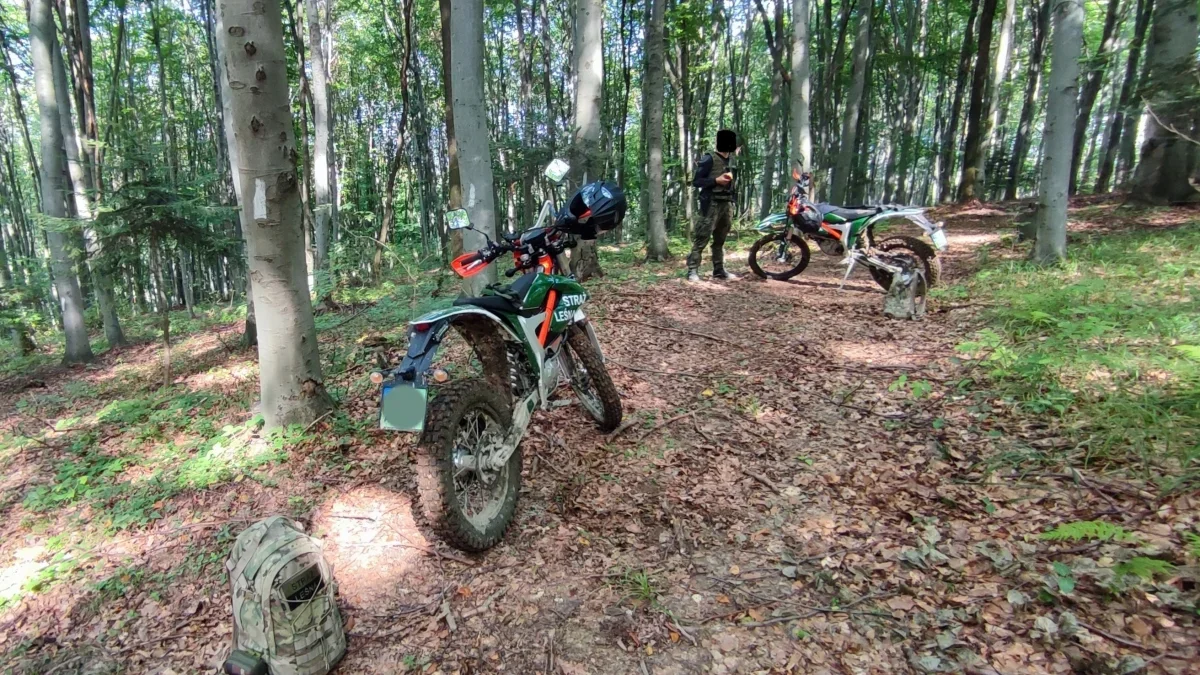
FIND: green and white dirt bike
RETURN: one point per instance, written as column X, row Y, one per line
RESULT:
column 529, row 337
column 783, row 251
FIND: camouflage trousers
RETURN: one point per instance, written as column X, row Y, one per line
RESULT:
column 713, row 225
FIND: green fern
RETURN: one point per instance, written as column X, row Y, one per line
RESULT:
column 1193, row 544
column 1145, row 568
column 1082, row 530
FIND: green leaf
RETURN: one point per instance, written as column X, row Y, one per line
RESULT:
column 1190, row 351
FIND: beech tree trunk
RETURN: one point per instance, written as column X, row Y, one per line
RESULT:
column 1165, row 166
column 858, row 81
column 454, row 198
column 324, row 181
column 971, row 184
column 1125, row 106
column 43, row 44
column 801, row 136
column 950, row 138
column 1040, row 20
column 655, row 91
column 1091, row 88
column 471, row 131
column 1067, row 43
column 79, row 206
column 587, row 163
column 263, row 141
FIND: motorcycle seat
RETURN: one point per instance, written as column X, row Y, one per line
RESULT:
column 506, row 298
column 847, row 212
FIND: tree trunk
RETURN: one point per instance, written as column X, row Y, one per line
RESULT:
column 588, row 163
column 15, row 91
column 389, row 186
column 950, row 139
column 1067, row 43
column 845, row 161
column 1164, row 166
column 995, row 93
column 250, row 329
column 43, row 45
column 471, row 131
column 772, row 137
column 971, row 185
column 453, row 176
column 1091, row 87
column 801, row 136
column 654, row 88
column 1040, row 21
column 1108, row 158
column 162, row 304
column 324, row 181
column 256, row 67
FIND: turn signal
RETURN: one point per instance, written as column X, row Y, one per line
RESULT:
column 376, row 377
column 440, row 376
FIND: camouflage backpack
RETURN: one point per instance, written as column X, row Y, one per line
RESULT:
column 284, row 608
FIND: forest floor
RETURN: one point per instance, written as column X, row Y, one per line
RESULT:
column 805, row 487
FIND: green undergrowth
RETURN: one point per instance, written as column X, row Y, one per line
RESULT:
column 1108, row 343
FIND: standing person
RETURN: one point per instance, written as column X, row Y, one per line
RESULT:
column 714, row 179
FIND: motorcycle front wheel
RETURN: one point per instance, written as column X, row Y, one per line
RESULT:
column 914, row 248
column 590, row 380
column 466, row 503
column 779, row 256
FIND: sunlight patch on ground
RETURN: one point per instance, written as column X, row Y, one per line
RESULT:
column 976, row 239
column 21, row 571
column 372, row 541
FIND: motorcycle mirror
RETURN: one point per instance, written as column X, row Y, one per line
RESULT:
column 458, row 219
column 557, row 170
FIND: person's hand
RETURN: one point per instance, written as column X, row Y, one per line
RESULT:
column 725, row 179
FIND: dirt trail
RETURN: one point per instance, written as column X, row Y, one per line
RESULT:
column 779, row 504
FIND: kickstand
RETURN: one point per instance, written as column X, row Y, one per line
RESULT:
column 849, row 269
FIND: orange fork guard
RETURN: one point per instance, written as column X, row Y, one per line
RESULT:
column 545, row 330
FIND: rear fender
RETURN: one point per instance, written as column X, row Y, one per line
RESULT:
column 405, row 387
column 914, row 215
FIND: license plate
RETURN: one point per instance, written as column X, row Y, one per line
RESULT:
column 939, row 240
column 403, row 408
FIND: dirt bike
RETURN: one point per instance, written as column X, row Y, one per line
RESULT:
column 848, row 231
column 528, row 336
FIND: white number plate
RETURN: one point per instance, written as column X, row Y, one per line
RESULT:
column 939, row 239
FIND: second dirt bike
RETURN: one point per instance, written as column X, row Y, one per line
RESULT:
column 528, row 337
column 847, row 231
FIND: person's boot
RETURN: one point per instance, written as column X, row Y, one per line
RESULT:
column 724, row 276
column 693, row 276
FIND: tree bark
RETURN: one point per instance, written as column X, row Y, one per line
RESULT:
column 43, row 45
column 971, row 184
column 1040, row 21
column 471, row 131
column 324, row 180
column 1164, row 166
column 1124, row 109
column 655, row 90
column 1067, row 43
column 389, row 185
column 1092, row 82
column 256, row 67
column 453, row 176
column 587, row 162
column 801, row 136
column 15, row 91
column 950, row 139
column 845, row 161
column 995, row 93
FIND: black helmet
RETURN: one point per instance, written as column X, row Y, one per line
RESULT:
column 597, row 207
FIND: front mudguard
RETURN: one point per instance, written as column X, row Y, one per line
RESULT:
column 776, row 222
column 405, row 388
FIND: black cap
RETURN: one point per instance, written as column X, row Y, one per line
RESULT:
column 726, row 141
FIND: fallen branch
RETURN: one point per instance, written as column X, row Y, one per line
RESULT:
column 430, row 551
column 662, row 424
column 1131, row 643
column 714, row 338
column 762, row 481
